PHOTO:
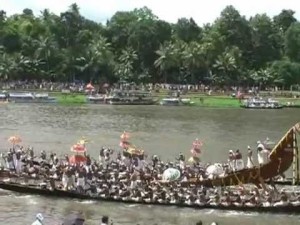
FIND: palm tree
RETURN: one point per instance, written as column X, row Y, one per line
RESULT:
column 226, row 66
column 124, row 69
column 166, row 59
column 193, row 58
column 46, row 47
column 7, row 64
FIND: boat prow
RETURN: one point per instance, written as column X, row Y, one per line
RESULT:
column 281, row 159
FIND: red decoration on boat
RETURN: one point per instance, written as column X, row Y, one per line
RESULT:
column 124, row 144
column 197, row 144
column 79, row 148
column 77, row 159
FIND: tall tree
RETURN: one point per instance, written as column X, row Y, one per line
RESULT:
column 292, row 42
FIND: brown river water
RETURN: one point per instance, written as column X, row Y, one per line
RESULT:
column 165, row 131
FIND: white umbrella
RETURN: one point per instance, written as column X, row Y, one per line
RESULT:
column 171, row 174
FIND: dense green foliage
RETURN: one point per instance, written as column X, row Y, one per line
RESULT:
column 137, row 46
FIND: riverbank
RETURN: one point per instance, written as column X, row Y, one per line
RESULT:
column 198, row 99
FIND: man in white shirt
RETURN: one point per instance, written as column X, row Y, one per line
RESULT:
column 262, row 154
column 39, row 220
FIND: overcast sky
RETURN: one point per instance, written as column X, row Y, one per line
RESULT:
column 201, row 10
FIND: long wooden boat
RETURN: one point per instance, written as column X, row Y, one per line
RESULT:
column 281, row 158
column 35, row 190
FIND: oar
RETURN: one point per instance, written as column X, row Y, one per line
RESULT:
column 240, row 183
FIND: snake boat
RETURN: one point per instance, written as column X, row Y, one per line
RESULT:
column 36, row 190
column 281, row 158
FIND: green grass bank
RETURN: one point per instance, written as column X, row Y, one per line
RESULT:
column 198, row 99
column 68, row 99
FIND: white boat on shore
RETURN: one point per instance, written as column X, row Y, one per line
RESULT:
column 260, row 103
column 131, row 97
column 176, row 101
column 96, row 99
column 27, row 97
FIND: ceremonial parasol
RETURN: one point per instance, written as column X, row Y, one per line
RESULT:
column 135, row 151
column 79, row 148
column 125, row 136
column 74, row 159
column 194, row 159
column 14, row 140
column 89, row 87
column 124, row 144
column 197, row 144
column 83, row 141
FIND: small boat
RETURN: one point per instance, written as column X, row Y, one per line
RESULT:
column 281, row 159
column 259, row 103
column 56, row 193
column 176, row 101
column 291, row 105
column 132, row 97
column 3, row 97
column 27, row 97
column 96, row 99
column 44, row 98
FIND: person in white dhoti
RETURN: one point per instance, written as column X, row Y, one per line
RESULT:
column 262, row 154
column 10, row 161
column 18, row 161
column 65, row 180
column 250, row 163
column 181, row 160
column 231, row 160
column 239, row 163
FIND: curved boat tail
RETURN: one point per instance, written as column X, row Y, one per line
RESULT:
column 281, row 159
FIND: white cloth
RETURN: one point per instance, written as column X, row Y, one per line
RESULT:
column 250, row 162
column 239, row 164
column 133, row 184
column 10, row 165
column 182, row 164
column 64, row 180
column 263, row 156
column 37, row 222
column 18, row 166
column 232, row 165
column 80, row 182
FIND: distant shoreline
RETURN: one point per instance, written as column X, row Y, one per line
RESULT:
column 199, row 99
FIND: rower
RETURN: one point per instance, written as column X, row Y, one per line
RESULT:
column 283, row 199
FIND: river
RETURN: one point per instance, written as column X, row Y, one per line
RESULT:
column 165, row 131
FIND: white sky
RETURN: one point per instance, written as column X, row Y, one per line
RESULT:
column 203, row 11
